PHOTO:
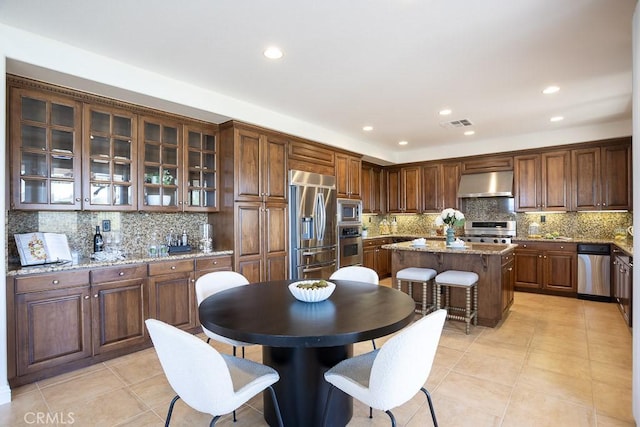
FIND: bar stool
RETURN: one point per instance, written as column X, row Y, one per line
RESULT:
column 459, row 279
column 419, row 275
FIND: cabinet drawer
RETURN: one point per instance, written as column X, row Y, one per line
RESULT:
column 214, row 263
column 168, row 267
column 45, row 282
column 118, row 273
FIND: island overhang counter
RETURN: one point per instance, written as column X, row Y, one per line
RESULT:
column 493, row 263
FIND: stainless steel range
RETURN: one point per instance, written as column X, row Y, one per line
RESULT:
column 489, row 231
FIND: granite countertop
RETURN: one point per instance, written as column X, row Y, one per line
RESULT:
column 625, row 245
column 468, row 248
column 17, row 270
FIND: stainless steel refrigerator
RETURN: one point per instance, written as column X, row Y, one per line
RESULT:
column 312, row 206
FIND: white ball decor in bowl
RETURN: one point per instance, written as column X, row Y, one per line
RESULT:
column 312, row 290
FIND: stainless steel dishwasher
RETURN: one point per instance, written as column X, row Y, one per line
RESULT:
column 594, row 277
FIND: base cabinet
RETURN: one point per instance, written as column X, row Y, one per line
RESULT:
column 118, row 308
column 508, row 280
column 66, row 320
column 52, row 328
column 546, row 267
column 172, row 294
column 376, row 258
column 622, row 277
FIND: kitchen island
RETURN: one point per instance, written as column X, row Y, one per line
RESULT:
column 492, row 262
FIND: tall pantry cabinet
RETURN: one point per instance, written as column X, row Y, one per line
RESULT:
column 253, row 217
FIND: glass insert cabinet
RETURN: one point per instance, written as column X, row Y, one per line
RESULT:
column 74, row 151
column 109, row 159
column 45, row 143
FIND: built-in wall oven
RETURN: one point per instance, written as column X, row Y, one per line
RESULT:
column 349, row 245
column 349, row 232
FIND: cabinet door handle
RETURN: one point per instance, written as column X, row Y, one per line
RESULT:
column 56, row 281
column 545, row 257
column 95, row 295
column 173, row 267
column 539, row 256
column 121, row 273
column 215, row 262
column 510, row 269
column 86, row 297
column 86, row 199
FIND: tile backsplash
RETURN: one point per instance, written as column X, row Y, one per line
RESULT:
column 136, row 227
column 593, row 225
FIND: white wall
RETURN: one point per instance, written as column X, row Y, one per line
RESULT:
column 636, row 214
column 5, row 392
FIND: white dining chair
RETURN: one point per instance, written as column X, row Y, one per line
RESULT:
column 357, row 274
column 205, row 379
column 211, row 283
column 388, row 377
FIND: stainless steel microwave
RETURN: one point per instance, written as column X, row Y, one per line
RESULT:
column 349, row 211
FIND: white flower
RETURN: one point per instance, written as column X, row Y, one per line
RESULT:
column 450, row 217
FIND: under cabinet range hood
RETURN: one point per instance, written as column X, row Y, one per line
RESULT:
column 488, row 184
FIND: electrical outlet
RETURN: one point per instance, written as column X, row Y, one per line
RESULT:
column 106, row 225
column 543, row 218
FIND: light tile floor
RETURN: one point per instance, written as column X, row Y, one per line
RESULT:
column 554, row 361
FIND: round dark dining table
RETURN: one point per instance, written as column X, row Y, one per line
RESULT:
column 303, row 340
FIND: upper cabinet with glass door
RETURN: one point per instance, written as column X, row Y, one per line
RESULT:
column 109, row 164
column 45, row 144
column 201, row 160
column 160, row 164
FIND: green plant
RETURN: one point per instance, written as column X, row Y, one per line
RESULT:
column 167, row 178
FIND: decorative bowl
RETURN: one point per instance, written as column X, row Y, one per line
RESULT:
column 311, row 295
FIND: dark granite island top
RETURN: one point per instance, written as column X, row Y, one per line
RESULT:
column 492, row 262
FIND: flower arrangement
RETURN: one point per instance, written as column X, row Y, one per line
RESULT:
column 450, row 217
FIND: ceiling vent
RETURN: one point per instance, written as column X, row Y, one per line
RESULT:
column 456, row 124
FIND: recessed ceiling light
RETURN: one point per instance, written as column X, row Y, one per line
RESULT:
column 550, row 89
column 556, row 118
column 403, row 142
column 367, row 128
column 273, row 52
column 445, row 112
column 470, row 132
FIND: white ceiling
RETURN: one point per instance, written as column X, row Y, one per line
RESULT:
column 391, row 64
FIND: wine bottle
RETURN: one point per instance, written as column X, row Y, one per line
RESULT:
column 98, row 242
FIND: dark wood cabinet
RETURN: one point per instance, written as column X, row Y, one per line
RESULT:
column 46, row 150
column 53, row 320
column 118, row 308
column 75, row 151
column 404, row 189
column 311, row 157
column 255, row 221
column 440, row 186
column 172, row 296
column 260, row 167
column 261, row 241
column 200, row 178
column 110, row 172
column 373, row 185
column 546, row 267
column 622, row 278
column 542, row 181
column 160, row 157
column 376, row 258
column 601, row 177
column 508, row 280
column 348, row 170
